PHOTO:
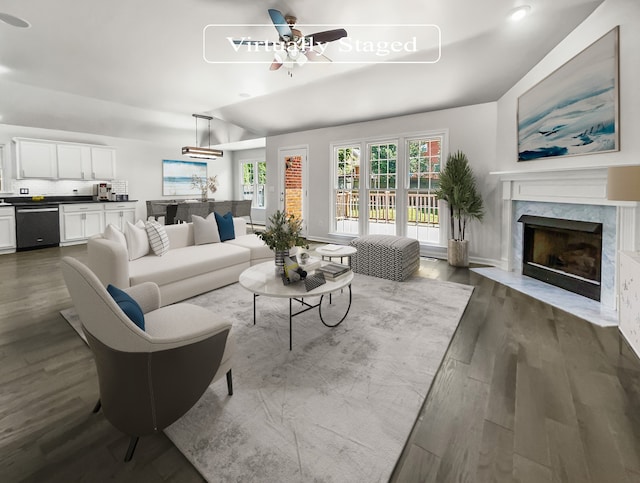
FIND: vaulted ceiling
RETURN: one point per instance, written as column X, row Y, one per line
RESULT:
column 140, row 69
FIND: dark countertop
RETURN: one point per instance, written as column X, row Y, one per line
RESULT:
column 57, row 200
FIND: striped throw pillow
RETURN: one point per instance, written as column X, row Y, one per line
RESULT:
column 158, row 238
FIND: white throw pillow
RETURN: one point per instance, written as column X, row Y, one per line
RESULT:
column 113, row 233
column 158, row 238
column 137, row 239
column 205, row 230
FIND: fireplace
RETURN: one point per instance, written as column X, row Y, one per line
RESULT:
column 564, row 253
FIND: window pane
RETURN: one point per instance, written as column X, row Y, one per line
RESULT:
column 382, row 196
column 422, row 204
column 346, row 184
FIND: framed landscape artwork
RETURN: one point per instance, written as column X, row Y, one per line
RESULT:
column 176, row 176
column 575, row 109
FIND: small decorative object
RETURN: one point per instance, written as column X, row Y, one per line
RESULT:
column 292, row 271
column 204, row 184
column 304, row 258
column 458, row 189
column 282, row 234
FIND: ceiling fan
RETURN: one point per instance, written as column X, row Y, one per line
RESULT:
column 296, row 48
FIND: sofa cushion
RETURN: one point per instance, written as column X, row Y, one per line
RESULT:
column 187, row 262
column 137, row 239
column 225, row 226
column 128, row 305
column 158, row 239
column 205, row 230
column 113, row 233
column 259, row 251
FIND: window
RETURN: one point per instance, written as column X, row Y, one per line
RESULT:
column 381, row 194
column 424, row 157
column 392, row 189
column 254, row 180
column 346, row 189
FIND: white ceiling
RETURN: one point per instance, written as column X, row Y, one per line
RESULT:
column 136, row 69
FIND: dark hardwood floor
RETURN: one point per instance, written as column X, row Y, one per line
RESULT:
column 526, row 393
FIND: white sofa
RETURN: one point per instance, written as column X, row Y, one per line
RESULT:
column 186, row 269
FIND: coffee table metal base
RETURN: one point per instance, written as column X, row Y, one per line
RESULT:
column 308, row 307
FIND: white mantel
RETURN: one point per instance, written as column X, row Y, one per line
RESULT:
column 585, row 186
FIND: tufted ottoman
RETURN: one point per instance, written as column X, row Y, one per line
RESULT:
column 386, row 256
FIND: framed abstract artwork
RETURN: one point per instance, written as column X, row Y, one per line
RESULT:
column 575, row 109
column 176, row 177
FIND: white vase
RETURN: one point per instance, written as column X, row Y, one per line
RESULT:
column 280, row 254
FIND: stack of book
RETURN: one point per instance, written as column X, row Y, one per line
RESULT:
column 333, row 270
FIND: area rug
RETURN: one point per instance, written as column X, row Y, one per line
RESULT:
column 340, row 406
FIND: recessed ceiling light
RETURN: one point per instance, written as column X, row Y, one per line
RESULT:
column 519, row 13
column 14, row 21
column 244, row 94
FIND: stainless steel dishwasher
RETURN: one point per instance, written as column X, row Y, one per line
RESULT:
column 37, row 226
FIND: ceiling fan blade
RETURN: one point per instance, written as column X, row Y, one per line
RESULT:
column 327, row 36
column 281, row 25
column 316, row 56
column 275, row 65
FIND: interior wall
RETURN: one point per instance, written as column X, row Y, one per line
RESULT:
column 626, row 14
column 471, row 129
column 138, row 162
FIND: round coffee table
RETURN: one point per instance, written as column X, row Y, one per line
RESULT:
column 336, row 251
column 261, row 279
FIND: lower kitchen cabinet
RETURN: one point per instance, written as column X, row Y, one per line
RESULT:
column 7, row 229
column 78, row 222
column 119, row 213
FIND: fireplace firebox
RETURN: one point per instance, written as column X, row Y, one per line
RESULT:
column 564, row 253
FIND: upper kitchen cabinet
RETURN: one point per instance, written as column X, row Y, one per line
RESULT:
column 74, row 161
column 103, row 163
column 36, row 159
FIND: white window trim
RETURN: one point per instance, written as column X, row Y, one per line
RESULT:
column 402, row 140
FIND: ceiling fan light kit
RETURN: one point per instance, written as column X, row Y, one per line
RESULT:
column 294, row 48
column 198, row 151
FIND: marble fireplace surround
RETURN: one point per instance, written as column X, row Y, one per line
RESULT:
column 575, row 194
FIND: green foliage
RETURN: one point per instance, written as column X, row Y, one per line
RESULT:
column 458, row 189
column 283, row 232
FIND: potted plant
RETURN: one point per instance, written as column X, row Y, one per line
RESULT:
column 458, row 189
column 204, row 184
column 282, row 234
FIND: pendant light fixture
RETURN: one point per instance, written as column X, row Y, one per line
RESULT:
column 200, row 152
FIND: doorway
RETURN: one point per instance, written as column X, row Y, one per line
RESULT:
column 293, row 189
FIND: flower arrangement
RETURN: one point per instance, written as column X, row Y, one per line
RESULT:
column 283, row 232
column 204, row 184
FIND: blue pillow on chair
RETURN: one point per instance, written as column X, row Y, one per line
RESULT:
column 225, row 226
column 129, row 306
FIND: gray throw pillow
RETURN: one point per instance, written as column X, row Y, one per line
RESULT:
column 205, row 230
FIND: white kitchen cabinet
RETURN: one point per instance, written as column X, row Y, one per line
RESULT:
column 7, row 229
column 44, row 159
column 80, row 221
column 118, row 213
column 103, row 163
column 74, row 161
column 36, row 159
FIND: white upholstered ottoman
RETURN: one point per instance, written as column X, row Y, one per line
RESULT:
column 386, row 256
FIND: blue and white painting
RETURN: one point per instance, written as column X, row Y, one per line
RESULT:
column 176, row 176
column 575, row 109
